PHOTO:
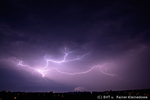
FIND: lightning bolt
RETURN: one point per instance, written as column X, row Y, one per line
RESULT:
column 64, row 59
column 44, row 70
column 110, row 74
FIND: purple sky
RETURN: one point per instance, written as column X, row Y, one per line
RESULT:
column 114, row 33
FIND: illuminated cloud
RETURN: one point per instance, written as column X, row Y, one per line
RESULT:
column 107, row 45
column 81, row 89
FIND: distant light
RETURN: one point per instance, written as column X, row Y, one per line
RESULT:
column 14, row 97
column 91, row 92
column 129, row 93
column 62, row 96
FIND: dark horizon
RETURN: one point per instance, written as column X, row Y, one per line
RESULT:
column 74, row 45
column 75, row 91
column 128, row 94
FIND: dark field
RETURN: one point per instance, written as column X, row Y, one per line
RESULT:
column 120, row 95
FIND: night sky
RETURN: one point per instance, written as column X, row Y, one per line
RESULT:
column 96, row 45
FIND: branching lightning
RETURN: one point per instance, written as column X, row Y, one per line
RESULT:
column 44, row 70
column 109, row 74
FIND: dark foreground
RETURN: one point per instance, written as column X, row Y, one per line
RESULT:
column 107, row 95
